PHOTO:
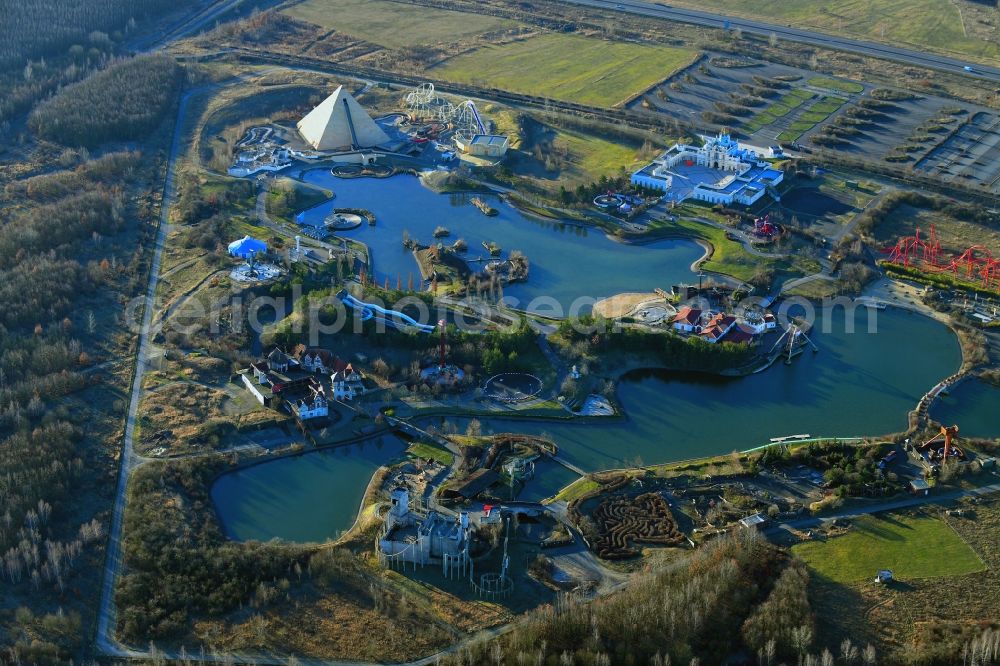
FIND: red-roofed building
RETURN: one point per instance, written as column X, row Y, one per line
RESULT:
column 717, row 327
column 687, row 319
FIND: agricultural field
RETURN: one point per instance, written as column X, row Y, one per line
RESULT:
column 568, row 67
column 380, row 21
column 947, row 27
column 918, row 546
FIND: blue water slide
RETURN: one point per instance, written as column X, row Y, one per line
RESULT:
column 475, row 114
column 368, row 311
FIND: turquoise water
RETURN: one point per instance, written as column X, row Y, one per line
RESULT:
column 567, row 261
column 858, row 384
column 311, row 497
column 974, row 406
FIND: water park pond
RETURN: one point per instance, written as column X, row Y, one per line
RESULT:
column 567, row 262
column 973, row 405
column 811, row 201
column 858, row 384
column 306, row 498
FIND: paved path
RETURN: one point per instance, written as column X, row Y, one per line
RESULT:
column 876, row 50
column 938, row 498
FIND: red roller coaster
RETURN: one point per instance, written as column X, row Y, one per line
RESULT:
column 976, row 264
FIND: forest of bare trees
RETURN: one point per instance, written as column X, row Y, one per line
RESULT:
column 121, row 103
column 39, row 27
column 735, row 596
column 71, row 240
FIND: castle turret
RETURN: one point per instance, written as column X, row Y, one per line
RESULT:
column 400, row 509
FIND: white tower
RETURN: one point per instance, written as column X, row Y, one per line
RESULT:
column 400, row 509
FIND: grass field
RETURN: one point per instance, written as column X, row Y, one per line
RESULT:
column 931, row 24
column 912, row 546
column 780, row 108
column 730, row 257
column 432, row 451
column 583, row 158
column 836, row 84
column 568, row 67
column 591, row 156
column 394, row 24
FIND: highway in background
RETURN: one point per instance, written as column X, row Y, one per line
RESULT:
column 875, row 50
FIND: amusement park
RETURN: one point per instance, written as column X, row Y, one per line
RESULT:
column 410, row 436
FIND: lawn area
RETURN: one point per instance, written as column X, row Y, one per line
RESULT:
column 432, row 451
column 920, row 23
column 836, row 84
column 912, row 546
column 780, row 108
column 568, row 67
column 287, row 197
column 395, row 25
column 578, row 488
column 593, row 156
column 728, row 257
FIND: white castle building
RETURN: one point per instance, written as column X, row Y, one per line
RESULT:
column 418, row 537
column 721, row 171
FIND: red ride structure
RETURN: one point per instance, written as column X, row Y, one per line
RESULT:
column 763, row 227
column 975, row 264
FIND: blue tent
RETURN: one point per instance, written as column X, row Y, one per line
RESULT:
column 247, row 247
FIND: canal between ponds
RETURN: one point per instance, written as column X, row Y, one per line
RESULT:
column 859, row 383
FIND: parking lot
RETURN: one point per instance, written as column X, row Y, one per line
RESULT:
column 971, row 154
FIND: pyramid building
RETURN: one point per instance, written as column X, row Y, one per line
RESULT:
column 339, row 122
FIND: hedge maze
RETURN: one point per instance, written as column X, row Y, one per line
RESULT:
column 624, row 521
